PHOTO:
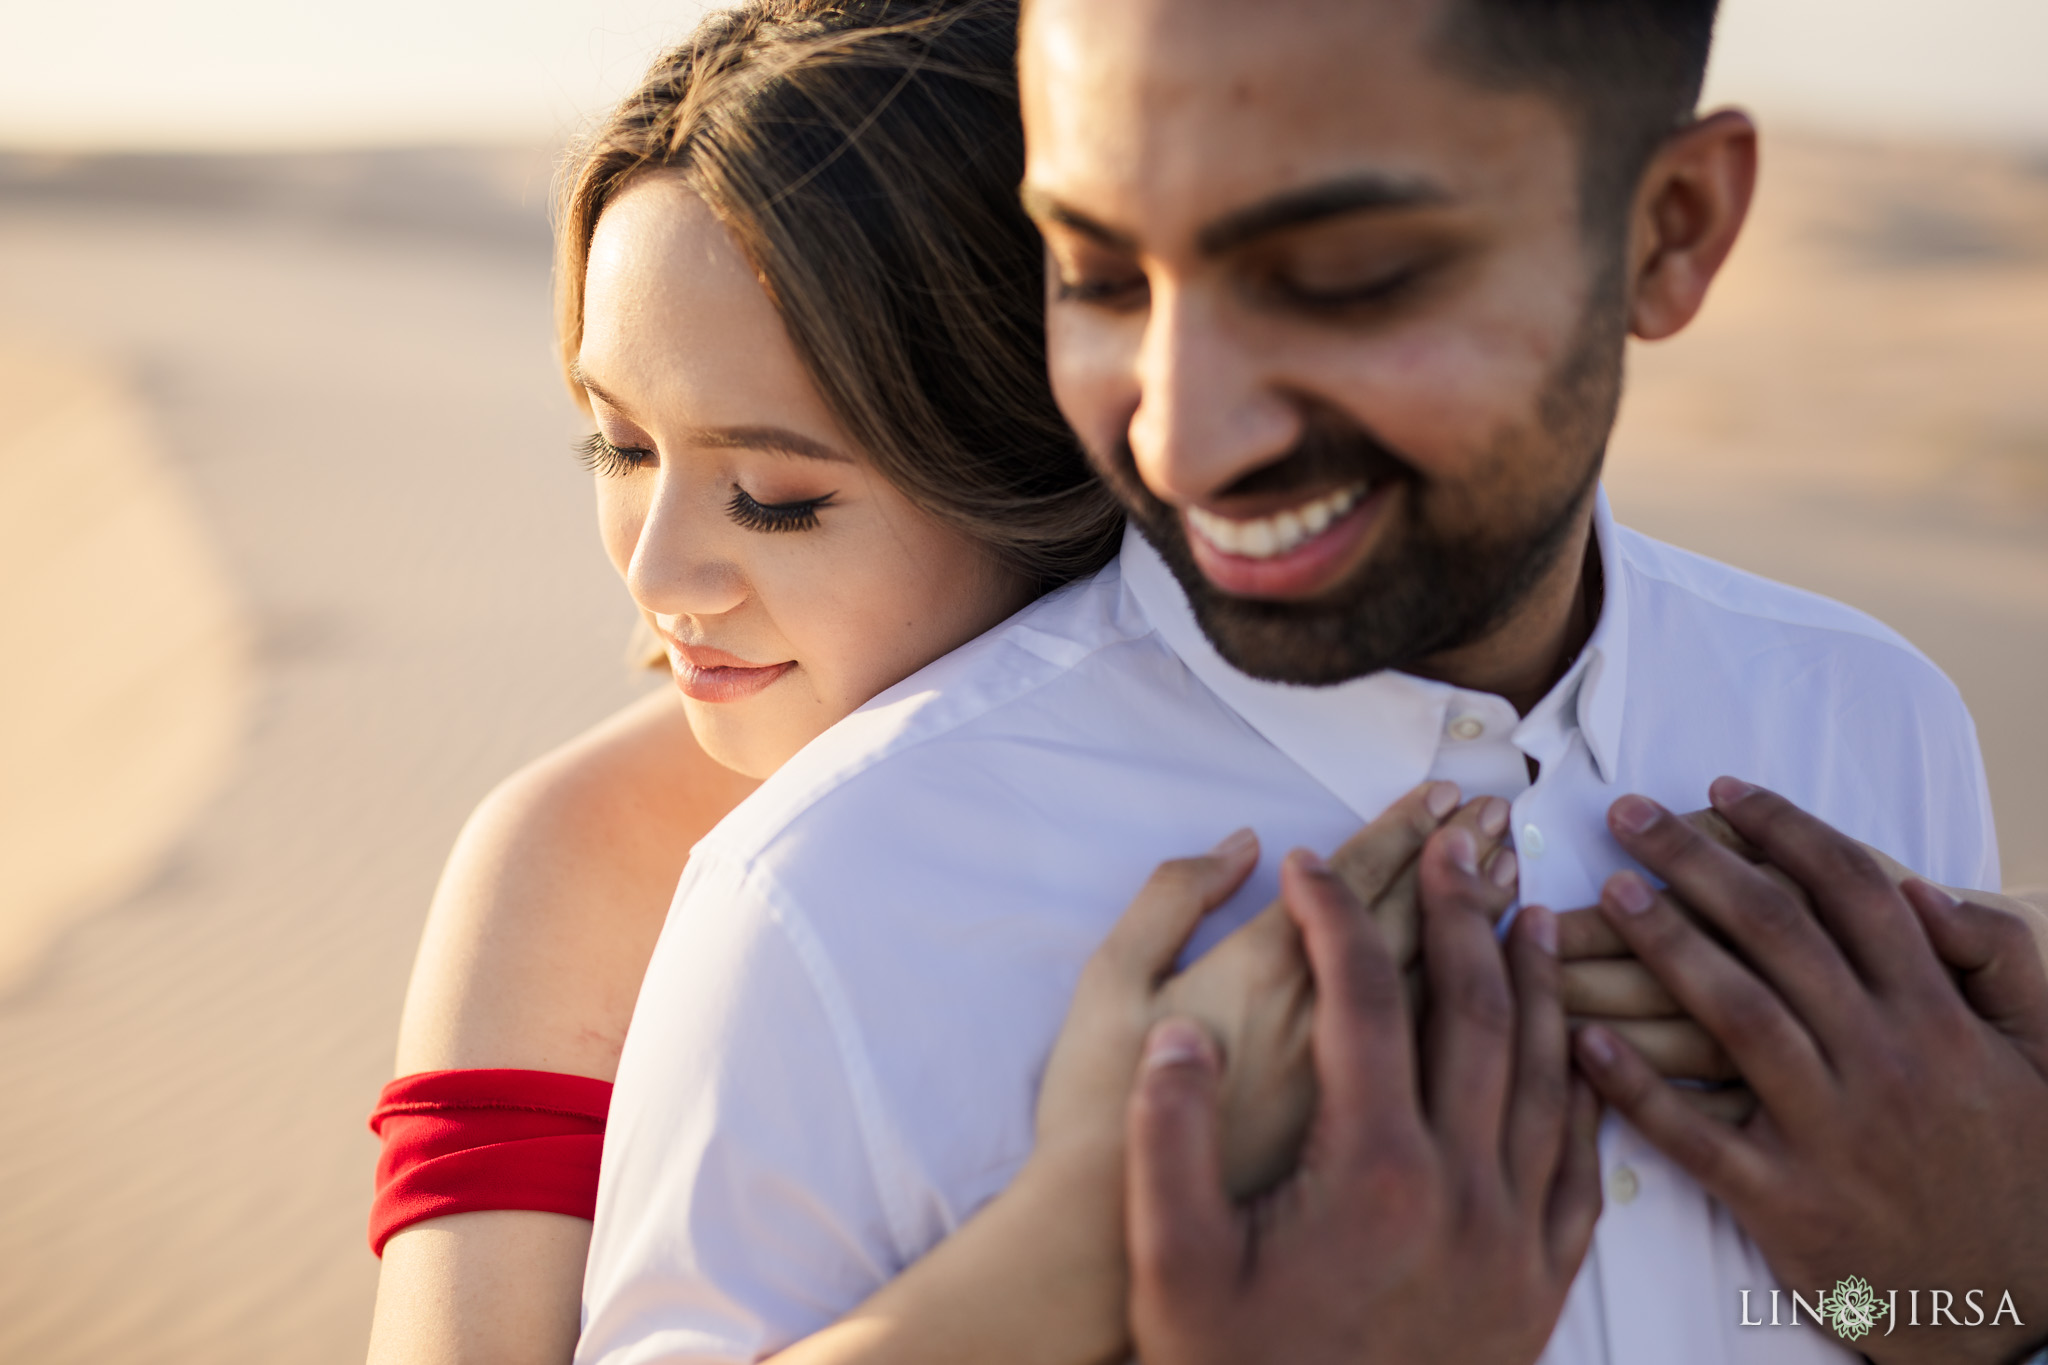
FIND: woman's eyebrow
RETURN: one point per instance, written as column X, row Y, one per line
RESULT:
column 780, row 440
column 583, row 379
column 777, row 440
column 1045, row 207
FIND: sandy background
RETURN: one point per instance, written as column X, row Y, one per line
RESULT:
column 295, row 563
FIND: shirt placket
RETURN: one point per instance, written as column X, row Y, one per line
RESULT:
column 1640, row 1249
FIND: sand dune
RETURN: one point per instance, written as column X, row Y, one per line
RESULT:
column 363, row 411
column 128, row 673
column 344, row 365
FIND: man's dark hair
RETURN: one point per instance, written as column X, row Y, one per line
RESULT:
column 1628, row 72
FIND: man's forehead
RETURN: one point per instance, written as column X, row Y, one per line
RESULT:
column 1211, row 104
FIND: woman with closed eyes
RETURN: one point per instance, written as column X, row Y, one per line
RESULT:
column 803, row 308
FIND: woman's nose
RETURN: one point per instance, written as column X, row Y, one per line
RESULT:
column 678, row 566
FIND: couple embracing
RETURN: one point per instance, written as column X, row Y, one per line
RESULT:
column 946, row 1048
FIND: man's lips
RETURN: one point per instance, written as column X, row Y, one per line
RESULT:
column 712, row 675
column 1297, row 553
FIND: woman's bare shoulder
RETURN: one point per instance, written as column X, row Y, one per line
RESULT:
column 554, row 894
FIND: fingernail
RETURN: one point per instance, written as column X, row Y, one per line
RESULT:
column 1308, row 860
column 1940, row 895
column 1730, row 791
column 1542, row 927
column 1233, row 843
column 1635, row 814
column 1176, row 1042
column 1463, row 851
column 1505, row 868
column 1442, row 799
column 1596, row 1044
column 1630, row 893
column 1493, row 817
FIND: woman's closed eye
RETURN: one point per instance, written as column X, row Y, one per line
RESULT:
column 775, row 516
column 1125, row 290
column 606, row 460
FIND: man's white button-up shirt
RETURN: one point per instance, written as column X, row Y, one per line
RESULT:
column 835, row 1055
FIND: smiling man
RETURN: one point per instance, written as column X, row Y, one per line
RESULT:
column 1338, row 300
column 1339, row 291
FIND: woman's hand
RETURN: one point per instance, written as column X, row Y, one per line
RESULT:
column 1038, row 1275
column 1251, row 991
column 1088, row 1076
column 1254, row 995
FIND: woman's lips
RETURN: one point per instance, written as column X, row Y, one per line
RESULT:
column 712, row 675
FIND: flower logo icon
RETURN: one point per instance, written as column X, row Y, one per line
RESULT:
column 1852, row 1309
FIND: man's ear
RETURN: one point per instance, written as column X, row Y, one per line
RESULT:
column 1689, row 207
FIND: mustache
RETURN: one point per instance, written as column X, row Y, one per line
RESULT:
column 1333, row 450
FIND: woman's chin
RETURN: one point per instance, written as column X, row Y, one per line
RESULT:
column 752, row 745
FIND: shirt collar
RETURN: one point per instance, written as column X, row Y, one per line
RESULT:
column 1373, row 738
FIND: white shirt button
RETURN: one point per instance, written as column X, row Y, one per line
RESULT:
column 1468, row 727
column 1532, row 841
column 1623, row 1185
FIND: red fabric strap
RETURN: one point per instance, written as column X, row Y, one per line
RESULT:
column 463, row 1141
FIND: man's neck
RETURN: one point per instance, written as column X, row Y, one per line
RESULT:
column 1524, row 658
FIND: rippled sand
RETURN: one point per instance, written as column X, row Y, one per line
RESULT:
column 341, row 367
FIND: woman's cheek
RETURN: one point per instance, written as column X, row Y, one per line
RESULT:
column 621, row 514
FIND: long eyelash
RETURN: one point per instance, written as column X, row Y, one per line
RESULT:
column 1091, row 291
column 775, row 516
column 606, row 460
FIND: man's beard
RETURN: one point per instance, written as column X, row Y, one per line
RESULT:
column 1427, row 589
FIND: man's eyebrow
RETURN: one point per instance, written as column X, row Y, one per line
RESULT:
column 1312, row 204
column 776, row 440
column 1044, row 208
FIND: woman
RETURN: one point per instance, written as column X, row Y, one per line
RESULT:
column 826, row 454
column 802, row 306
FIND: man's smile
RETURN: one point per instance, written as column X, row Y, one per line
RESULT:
column 1295, row 552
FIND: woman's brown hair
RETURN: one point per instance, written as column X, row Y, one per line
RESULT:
column 865, row 155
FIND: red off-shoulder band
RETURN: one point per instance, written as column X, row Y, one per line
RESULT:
column 462, row 1141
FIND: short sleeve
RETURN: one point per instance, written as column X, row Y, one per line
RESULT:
column 739, row 1208
column 1977, row 839
column 1944, row 770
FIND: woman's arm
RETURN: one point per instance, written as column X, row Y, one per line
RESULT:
column 532, row 957
column 503, row 1285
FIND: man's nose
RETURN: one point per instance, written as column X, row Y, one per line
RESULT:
column 678, row 568
column 1208, row 412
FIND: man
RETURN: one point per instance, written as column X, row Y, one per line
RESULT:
column 1339, row 300
column 1340, row 294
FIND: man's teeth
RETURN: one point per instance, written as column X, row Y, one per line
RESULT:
column 1271, row 537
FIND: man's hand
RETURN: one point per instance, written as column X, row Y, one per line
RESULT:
column 1601, row 982
column 1441, row 1208
column 1899, row 1136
